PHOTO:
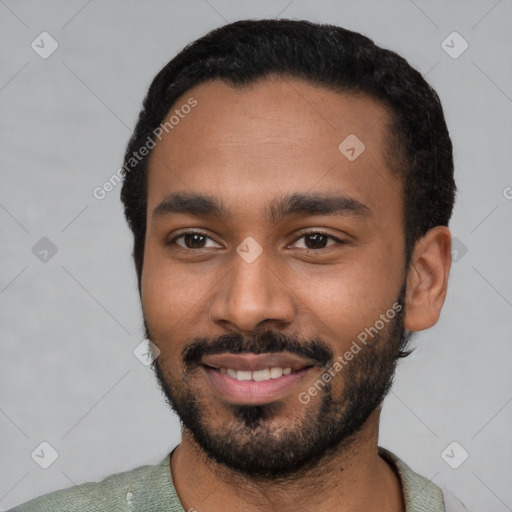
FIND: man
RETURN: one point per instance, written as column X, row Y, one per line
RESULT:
column 289, row 187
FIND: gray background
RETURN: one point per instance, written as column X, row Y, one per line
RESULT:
column 69, row 324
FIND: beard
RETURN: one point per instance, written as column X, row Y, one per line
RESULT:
column 271, row 441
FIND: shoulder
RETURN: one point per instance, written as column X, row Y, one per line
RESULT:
column 115, row 492
column 419, row 493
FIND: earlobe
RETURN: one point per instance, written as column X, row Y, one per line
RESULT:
column 427, row 279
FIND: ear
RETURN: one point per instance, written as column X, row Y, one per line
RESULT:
column 427, row 279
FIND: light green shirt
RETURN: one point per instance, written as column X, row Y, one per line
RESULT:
column 151, row 489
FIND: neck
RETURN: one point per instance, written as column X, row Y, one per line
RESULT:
column 354, row 478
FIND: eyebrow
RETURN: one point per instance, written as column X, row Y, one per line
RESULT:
column 291, row 205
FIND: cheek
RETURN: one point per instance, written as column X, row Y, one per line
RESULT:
column 349, row 298
column 167, row 303
column 170, row 295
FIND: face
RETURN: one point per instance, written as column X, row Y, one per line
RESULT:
column 273, row 271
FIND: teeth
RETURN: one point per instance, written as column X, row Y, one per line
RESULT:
column 243, row 375
column 261, row 374
column 275, row 373
column 256, row 375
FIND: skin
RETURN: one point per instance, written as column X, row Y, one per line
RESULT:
column 248, row 147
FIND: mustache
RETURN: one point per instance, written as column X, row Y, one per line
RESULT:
column 265, row 342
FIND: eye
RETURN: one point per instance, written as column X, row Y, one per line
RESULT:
column 192, row 240
column 317, row 240
column 313, row 240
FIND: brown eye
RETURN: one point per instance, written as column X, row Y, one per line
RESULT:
column 317, row 240
column 191, row 240
column 194, row 240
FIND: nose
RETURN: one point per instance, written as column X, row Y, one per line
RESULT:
column 252, row 294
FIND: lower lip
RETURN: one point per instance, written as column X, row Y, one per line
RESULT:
column 243, row 392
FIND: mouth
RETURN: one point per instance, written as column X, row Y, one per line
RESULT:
column 250, row 379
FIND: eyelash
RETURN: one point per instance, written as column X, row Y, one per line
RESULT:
column 302, row 235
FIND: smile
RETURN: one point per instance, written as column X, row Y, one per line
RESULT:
column 254, row 378
column 257, row 375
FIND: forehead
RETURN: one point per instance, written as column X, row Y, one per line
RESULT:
column 275, row 136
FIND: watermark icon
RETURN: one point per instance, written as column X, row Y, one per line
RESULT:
column 44, row 45
column 343, row 360
column 44, row 250
column 454, row 45
column 351, row 147
column 459, row 249
column 100, row 192
column 454, row 455
column 249, row 249
column 44, row 455
column 507, row 193
column 146, row 352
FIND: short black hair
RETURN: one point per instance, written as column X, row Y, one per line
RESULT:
column 419, row 146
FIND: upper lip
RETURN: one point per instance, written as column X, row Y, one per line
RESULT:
column 252, row 362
